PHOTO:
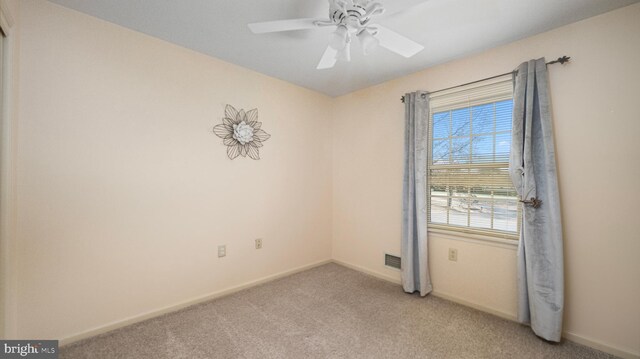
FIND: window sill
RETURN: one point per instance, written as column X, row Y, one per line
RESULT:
column 474, row 238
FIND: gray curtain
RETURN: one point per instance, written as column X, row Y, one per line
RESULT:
column 415, row 271
column 532, row 167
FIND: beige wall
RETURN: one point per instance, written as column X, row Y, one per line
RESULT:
column 597, row 130
column 124, row 193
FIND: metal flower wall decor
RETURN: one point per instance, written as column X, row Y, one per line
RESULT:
column 241, row 132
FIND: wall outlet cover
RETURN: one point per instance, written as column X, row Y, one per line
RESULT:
column 453, row 254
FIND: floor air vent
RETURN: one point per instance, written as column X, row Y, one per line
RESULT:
column 392, row 261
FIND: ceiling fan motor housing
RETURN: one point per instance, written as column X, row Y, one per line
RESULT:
column 353, row 14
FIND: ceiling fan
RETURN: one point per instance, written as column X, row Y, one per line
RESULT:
column 352, row 18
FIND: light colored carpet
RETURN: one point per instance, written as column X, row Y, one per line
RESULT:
column 325, row 312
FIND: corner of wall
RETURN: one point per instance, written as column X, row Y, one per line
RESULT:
column 9, row 12
column 332, row 119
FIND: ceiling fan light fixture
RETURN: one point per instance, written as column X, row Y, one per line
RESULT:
column 344, row 54
column 368, row 40
column 351, row 18
column 340, row 38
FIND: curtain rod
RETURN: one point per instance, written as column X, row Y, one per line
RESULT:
column 561, row 60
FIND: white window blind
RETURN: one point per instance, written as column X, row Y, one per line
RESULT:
column 470, row 140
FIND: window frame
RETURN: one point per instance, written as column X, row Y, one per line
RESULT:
column 476, row 233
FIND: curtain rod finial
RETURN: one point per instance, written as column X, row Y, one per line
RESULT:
column 561, row 60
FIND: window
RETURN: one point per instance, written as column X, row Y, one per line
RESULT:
column 468, row 171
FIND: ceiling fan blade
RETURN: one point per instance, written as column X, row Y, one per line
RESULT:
column 284, row 25
column 397, row 43
column 328, row 59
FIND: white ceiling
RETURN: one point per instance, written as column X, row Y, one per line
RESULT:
column 448, row 29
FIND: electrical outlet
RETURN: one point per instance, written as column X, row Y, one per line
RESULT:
column 222, row 251
column 259, row 243
column 453, row 254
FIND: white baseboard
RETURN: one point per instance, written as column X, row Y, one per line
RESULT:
column 600, row 346
column 175, row 307
column 369, row 272
column 435, row 293
column 567, row 335
column 480, row 307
